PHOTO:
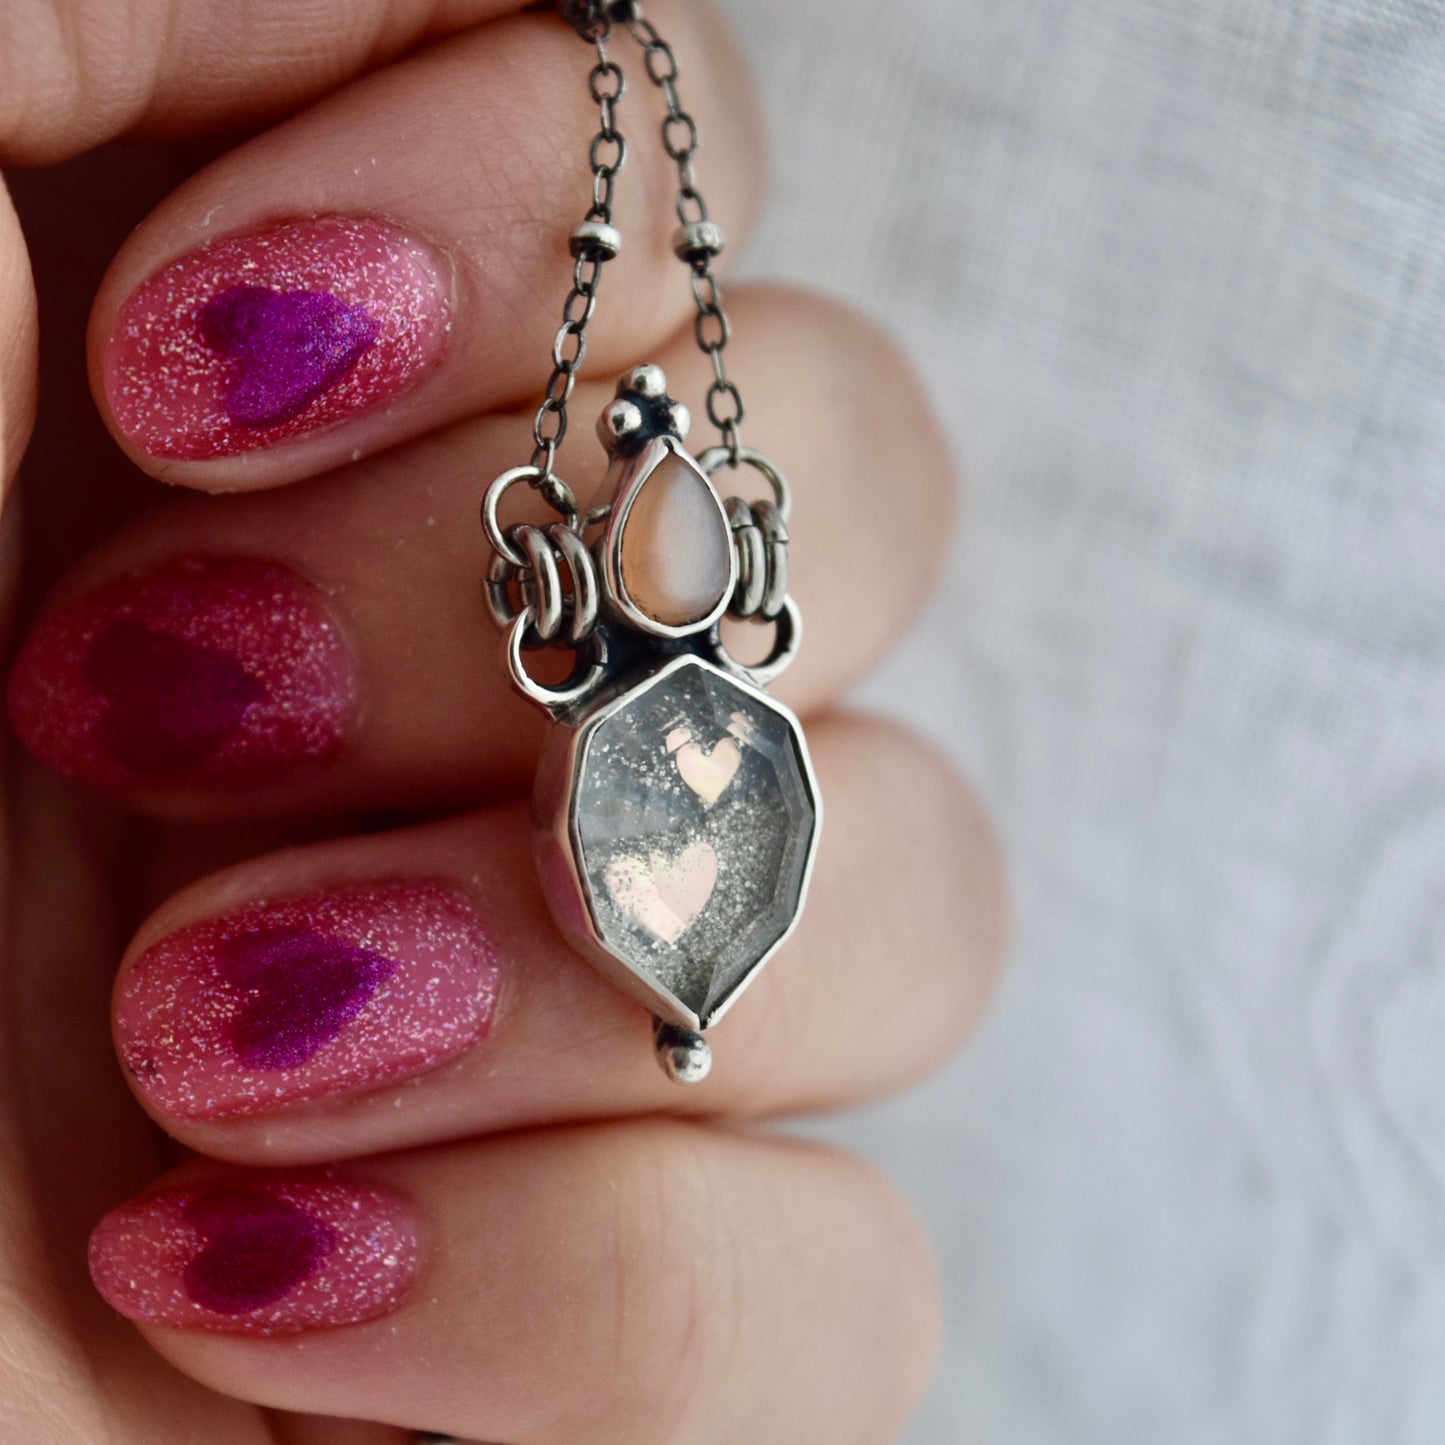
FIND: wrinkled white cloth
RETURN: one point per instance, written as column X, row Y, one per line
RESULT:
column 1175, row 272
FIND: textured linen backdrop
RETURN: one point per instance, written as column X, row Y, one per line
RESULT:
column 1175, row 273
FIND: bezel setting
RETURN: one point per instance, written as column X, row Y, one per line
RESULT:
column 632, row 476
column 641, row 966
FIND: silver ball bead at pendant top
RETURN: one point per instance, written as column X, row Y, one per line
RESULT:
column 646, row 381
column 641, row 409
column 620, row 421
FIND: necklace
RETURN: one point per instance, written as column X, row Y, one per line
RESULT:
column 676, row 811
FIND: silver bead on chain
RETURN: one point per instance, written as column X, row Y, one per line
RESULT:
column 697, row 239
column 539, row 563
column 593, row 242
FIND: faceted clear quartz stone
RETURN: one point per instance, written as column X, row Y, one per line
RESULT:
column 674, row 545
column 693, row 819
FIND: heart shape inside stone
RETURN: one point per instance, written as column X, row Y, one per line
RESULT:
column 258, row 1249
column 301, row 989
column 286, row 348
column 660, row 894
column 169, row 703
column 707, row 772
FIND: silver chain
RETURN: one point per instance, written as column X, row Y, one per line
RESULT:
column 594, row 242
column 544, row 578
column 698, row 240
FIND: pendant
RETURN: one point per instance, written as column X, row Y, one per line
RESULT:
column 676, row 810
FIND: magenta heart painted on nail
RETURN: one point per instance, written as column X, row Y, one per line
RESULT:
column 287, row 347
column 169, row 703
column 258, row 1249
column 301, row 989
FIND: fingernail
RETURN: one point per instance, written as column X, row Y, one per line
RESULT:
column 280, row 1002
column 258, row 339
column 257, row 1254
column 200, row 668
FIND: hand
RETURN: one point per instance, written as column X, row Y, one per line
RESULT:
column 299, row 709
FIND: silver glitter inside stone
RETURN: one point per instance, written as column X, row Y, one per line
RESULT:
column 691, row 817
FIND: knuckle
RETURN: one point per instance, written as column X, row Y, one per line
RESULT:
column 673, row 1261
column 949, row 910
column 903, row 939
column 731, row 1255
column 958, row 893
column 905, row 1304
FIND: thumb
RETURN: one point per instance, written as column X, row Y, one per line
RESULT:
column 41, row 1368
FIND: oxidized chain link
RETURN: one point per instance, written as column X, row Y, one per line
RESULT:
column 698, row 239
column 545, row 579
column 594, row 242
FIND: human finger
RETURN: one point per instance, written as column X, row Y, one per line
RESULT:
column 396, row 257
column 322, row 648
column 379, row 992
column 650, row 1283
column 75, row 73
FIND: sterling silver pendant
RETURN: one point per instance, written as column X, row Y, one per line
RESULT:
column 676, row 810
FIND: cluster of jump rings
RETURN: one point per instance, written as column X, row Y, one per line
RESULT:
column 552, row 571
column 548, row 576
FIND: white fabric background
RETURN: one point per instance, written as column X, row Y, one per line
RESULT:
column 1175, row 271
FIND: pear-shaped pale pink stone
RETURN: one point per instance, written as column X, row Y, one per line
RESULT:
column 675, row 548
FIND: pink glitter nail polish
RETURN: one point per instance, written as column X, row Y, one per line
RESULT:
column 200, row 668
column 257, row 1253
column 304, row 997
column 257, row 339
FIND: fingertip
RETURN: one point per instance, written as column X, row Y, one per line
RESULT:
column 257, row 1254
column 284, row 381
column 199, row 667
column 208, row 379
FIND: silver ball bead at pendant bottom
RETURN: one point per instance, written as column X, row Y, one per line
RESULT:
column 684, row 1054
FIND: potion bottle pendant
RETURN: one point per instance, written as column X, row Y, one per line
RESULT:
column 676, row 810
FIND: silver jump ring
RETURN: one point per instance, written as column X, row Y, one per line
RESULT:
column 714, row 458
column 500, row 573
column 786, row 642
column 545, row 593
column 585, row 599
column 541, row 582
column 534, row 477
column 769, row 519
column 752, row 558
column 554, row 699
